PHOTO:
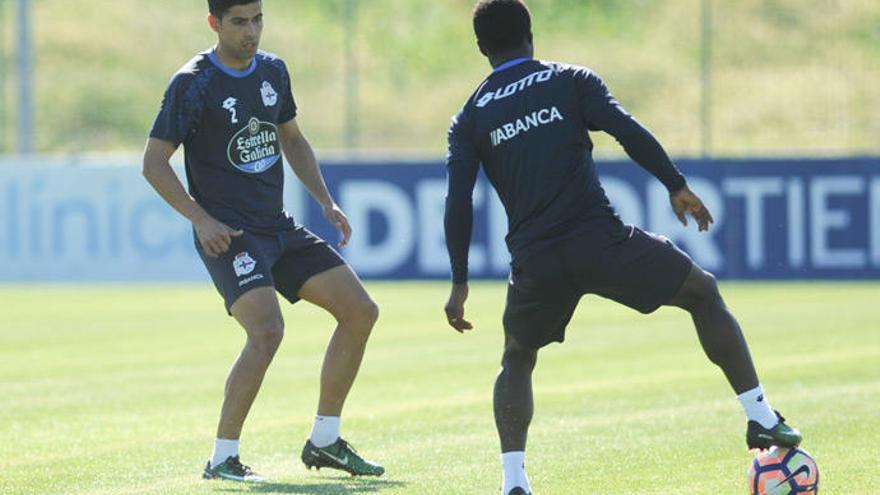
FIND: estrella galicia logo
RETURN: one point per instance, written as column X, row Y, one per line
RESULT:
column 254, row 149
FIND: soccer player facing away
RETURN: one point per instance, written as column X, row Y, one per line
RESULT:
column 232, row 109
column 527, row 124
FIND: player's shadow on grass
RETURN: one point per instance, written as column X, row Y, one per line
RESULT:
column 328, row 486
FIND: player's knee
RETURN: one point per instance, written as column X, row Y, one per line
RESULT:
column 371, row 312
column 709, row 293
column 361, row 315
column 266, row 338
column 702, row 293
column 367, row 312
column 517, row 357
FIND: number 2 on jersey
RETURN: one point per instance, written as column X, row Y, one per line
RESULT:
column 229, row 104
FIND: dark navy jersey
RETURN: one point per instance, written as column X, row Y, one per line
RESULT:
column 527, row 124
column 227, row 121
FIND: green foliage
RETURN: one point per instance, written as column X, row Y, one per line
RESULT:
column 116, row 390
column 788, row 74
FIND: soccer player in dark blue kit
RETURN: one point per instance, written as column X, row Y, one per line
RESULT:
column 232, row 109
column 527, row 124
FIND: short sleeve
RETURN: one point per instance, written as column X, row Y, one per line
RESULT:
column 288, row 104
column 181, row 110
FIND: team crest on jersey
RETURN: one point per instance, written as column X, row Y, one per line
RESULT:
column 254, row 149
column 270, row 97
column 243, row 264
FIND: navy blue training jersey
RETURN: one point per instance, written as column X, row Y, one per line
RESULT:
column 527, row 124
column 227, row 122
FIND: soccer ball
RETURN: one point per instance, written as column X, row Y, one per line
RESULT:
column 781, row 471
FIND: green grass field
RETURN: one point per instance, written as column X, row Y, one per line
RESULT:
column 116, row 390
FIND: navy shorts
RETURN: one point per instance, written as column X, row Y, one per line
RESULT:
column 285, row 260
column 640, row 270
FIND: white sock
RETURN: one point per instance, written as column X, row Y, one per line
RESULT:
column 223, row 449
column 514, row 465
column 325, row 431
column 757, row 407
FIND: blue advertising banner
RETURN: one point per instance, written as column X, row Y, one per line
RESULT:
column 84, row 223
column 775, row 219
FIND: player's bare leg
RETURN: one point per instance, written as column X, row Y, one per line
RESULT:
column 514, row 407
column 258, row 313
column 724, row 344
column 719, row 333
column 339, row 291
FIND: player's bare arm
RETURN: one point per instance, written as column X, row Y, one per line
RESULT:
column 685, row 202
column 301, row 157
column 214, row 236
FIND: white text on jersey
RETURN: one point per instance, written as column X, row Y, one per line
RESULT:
column 524, row 124
column 515, row 87
column 229, row 104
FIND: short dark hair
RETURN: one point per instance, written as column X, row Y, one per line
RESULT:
column 219, row 8
column 502, row 24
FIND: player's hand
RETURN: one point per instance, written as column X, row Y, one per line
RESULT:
column 685, row 202
column 334, row 215
column 455, row 308
column 215, row 237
